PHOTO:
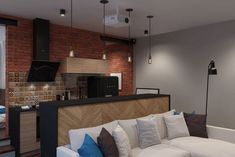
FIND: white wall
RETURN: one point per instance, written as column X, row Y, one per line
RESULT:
column 179, row 67
column 2, row 57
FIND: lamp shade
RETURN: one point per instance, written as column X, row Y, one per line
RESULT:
column 212, row 71
column 211, row 68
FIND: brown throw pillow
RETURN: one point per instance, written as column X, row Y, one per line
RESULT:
column 196, row 125
column 107, row 144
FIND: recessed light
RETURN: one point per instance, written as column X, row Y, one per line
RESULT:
column 62, row 12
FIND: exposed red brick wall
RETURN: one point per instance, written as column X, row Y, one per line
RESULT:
column 86, row 45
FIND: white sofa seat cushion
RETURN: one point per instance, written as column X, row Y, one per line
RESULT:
column 161, row 150
column 76, row 136
column 203, row 147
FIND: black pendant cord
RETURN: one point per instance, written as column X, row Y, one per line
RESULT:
column 129, row 10
column 150, row 40
column 71, row 25
column 104, row 28
column 129, row 34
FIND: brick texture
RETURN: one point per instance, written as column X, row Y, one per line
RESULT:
column 86, row 45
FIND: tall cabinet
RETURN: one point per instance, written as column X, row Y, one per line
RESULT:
column 23, row 131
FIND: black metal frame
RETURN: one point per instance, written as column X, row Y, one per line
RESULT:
column 149, row 89
column 117, row 40
column 7, row 21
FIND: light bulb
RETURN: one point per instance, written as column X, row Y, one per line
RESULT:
column 71, row 53
column 129, row 59
column 150, row 60
column 104, row 56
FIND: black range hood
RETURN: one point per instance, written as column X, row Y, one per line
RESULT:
column 42, row 70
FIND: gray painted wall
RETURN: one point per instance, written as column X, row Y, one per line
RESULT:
column 179, row 67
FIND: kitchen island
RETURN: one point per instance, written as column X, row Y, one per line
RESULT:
column 58, row 117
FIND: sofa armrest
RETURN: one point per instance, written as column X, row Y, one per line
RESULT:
column 220, row 133
column 64, row 151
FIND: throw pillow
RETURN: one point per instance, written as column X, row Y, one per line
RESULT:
column 107, row 144
column 147, row 132
column 196, row 125
column 89, row 148
column 176, row 126
column 122, row 141
column 161, row 123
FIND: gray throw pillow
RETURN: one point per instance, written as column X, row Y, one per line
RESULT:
column 147, row 132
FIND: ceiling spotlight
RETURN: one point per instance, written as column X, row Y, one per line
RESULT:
column 62, row 12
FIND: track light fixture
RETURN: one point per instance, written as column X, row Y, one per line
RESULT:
column 150, row 39
column 104, row 2
column 129, row 58
column 62, row 12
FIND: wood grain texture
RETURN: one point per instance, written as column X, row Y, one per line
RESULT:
column 84, row 65
column 92, row 115
column 28, row 130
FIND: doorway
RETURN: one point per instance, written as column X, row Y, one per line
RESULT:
column 2, row 77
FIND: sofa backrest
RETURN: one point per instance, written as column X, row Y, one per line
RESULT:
column 76, row 136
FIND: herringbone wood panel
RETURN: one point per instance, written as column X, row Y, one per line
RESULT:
column 96, row 114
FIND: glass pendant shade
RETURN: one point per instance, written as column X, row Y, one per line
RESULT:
column 71, row 53
column 129, row 59
column 150, row 60
column 104, row 57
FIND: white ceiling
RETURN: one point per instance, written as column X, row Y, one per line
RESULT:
column 170, row 15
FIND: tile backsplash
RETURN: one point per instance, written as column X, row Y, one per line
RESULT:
column 22, row 92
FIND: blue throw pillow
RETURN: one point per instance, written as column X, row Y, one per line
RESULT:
column 2, row 110
column 89, row 148
column 177, row 113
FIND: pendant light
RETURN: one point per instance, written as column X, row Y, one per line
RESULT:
column 71, row 52
column 104, row 2
column 62, row 12
column 129, row 59
column 150, row 39
column 146, row 32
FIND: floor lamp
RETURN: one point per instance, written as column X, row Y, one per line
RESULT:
column 211, row 71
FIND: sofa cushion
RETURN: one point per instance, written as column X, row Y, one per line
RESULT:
column 176, row 126
column 196, row 124
column 107, row 144
column 76, row 136
column 204, row 147
column 89, row 148
column 130, row 127
column 122, row 141
column 147, row 132
column 161, row 125
column 161, row 150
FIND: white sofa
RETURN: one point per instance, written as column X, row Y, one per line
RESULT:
column 221, row 143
